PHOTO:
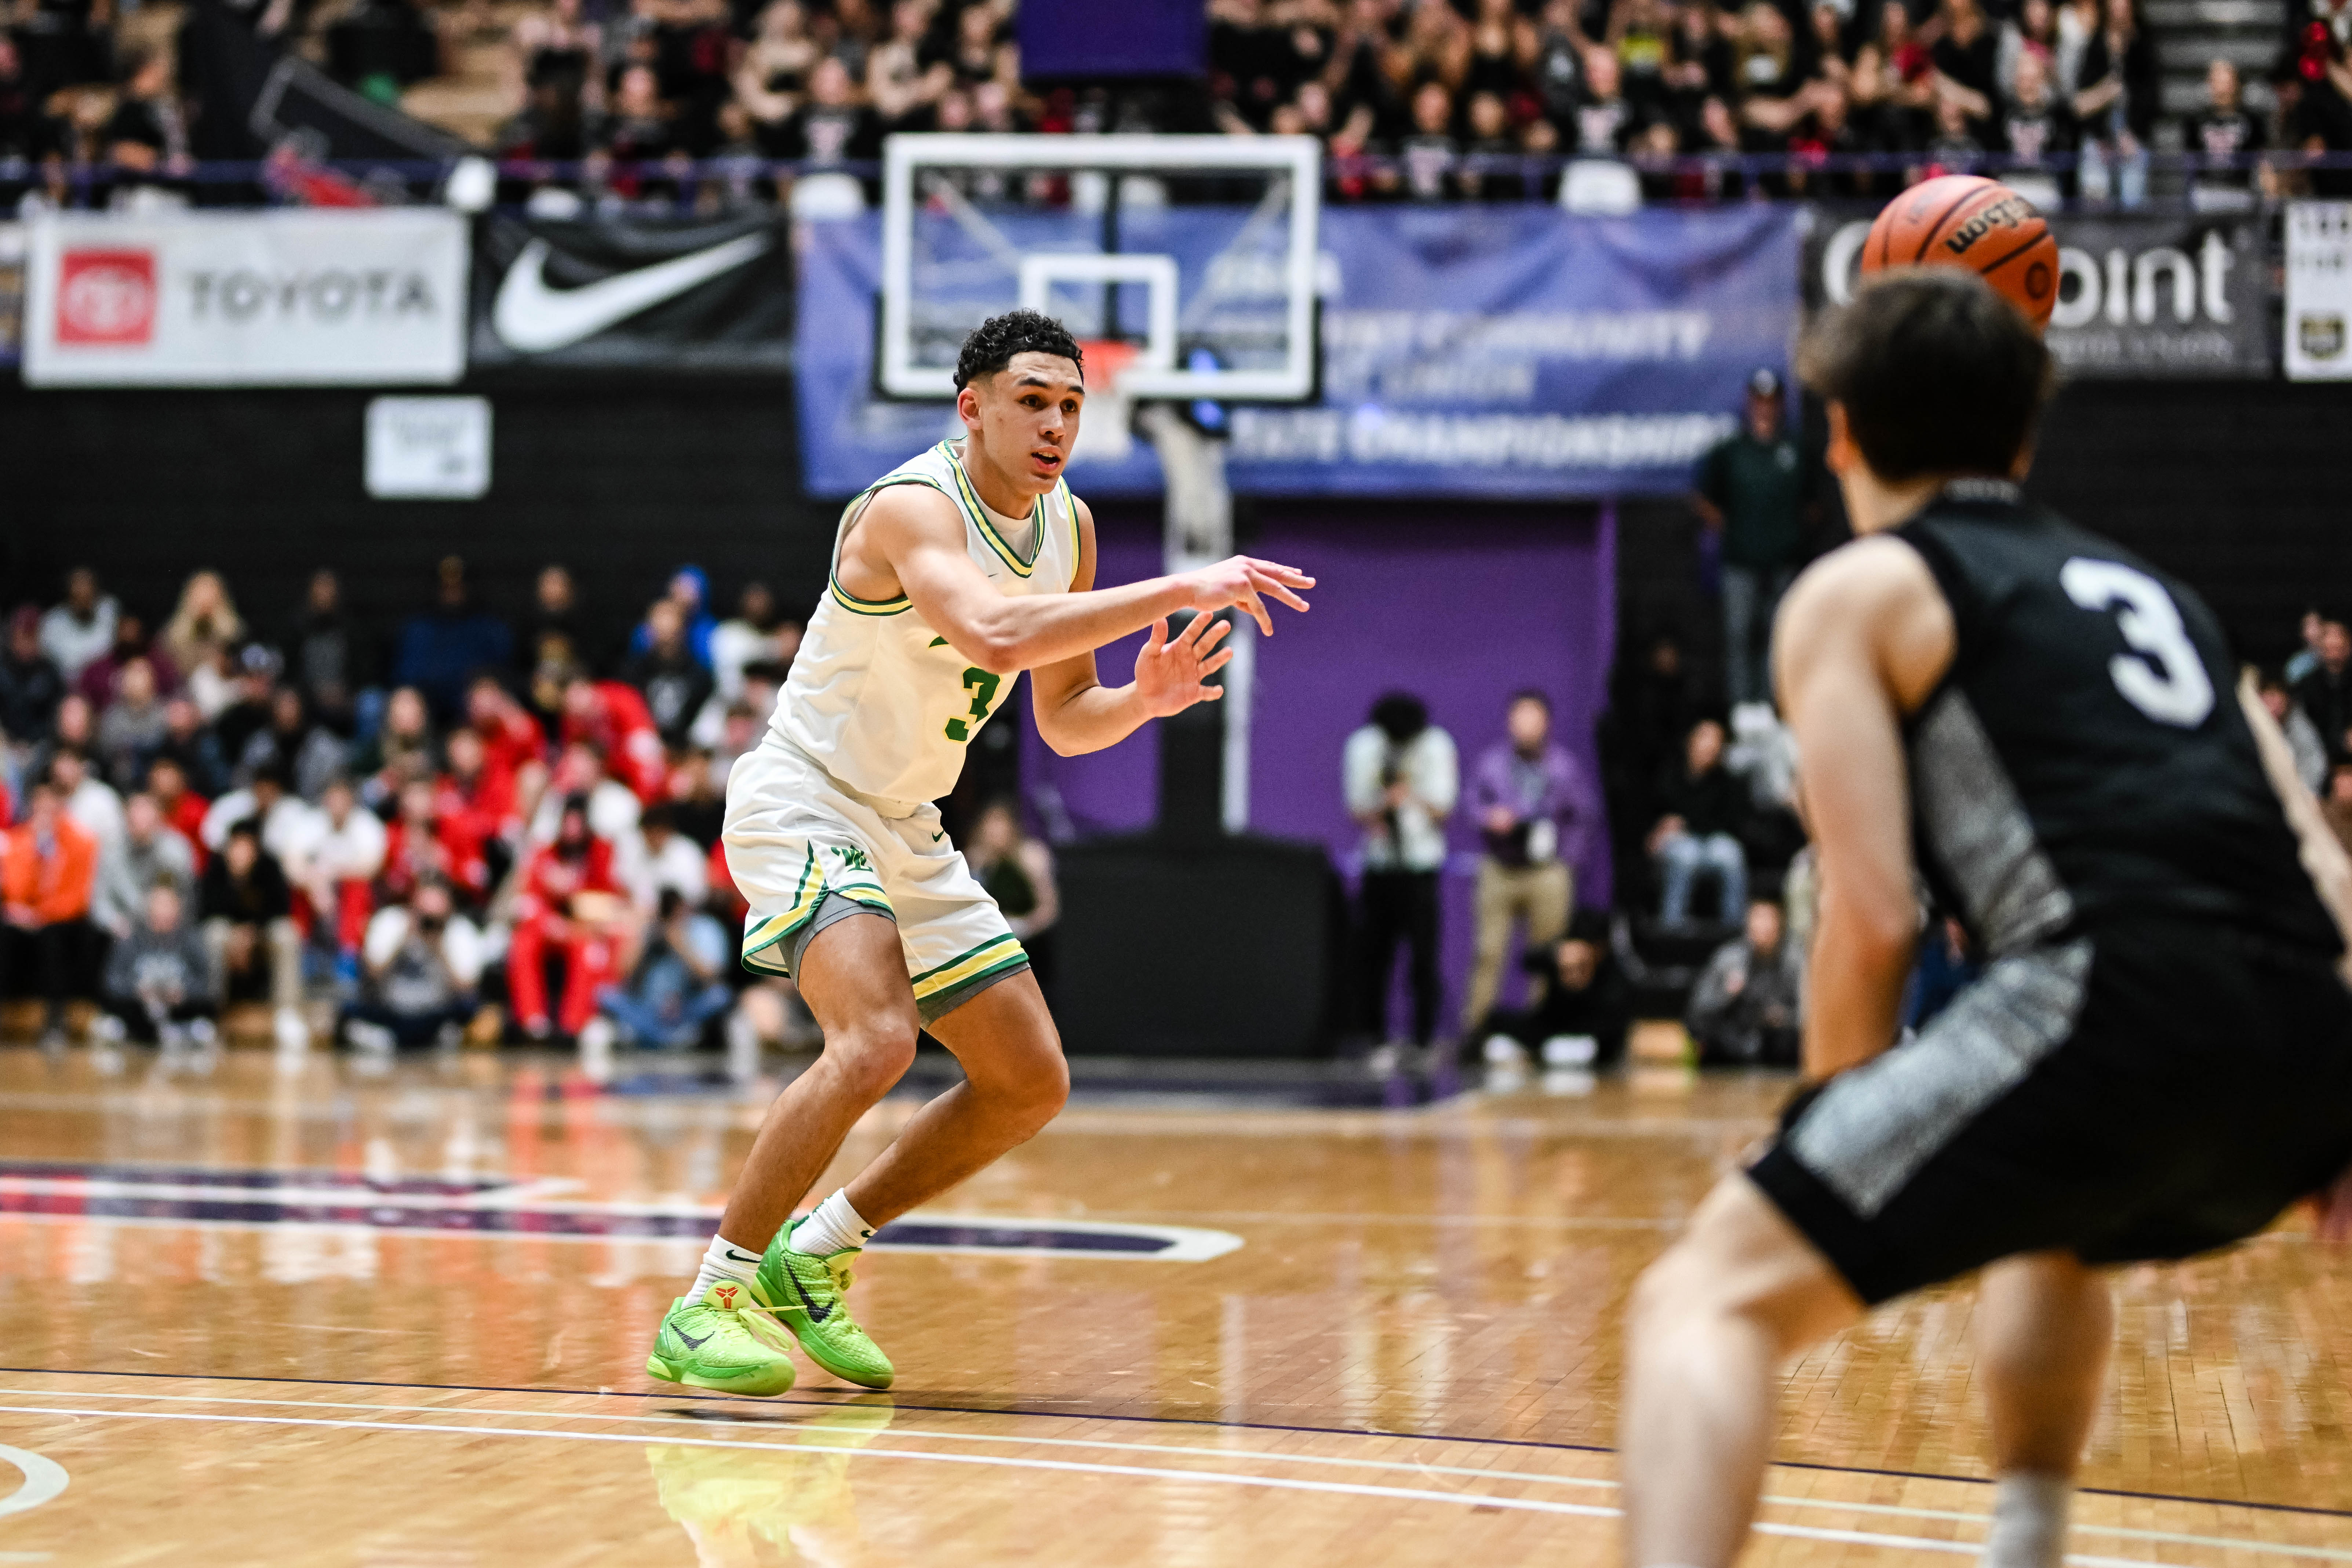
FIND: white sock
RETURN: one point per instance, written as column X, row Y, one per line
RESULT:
column 2029, row 1521
column 833, row 1227
column 722, row 1259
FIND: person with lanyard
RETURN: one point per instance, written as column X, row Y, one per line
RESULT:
column 1533, row 808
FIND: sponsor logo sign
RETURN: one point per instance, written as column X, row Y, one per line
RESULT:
column 105, row 297
column 2318, row 291
column 633, row 292
column 2141, row 296
column 245, row 299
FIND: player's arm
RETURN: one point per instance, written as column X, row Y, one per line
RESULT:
column 2331, row 873
column 910, row 540
column 1077, row 713
column 1863, row 638
column 2323, row 857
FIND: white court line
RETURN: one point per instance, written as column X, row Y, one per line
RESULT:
column 44, row 1478
column 1224, row 1477
column 1278, row 1483
column 1217, row 1454
column 1410, row 1467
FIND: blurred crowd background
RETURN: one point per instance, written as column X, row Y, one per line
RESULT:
column 1414, row 99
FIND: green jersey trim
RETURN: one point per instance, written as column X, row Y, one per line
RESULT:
column 979, row 515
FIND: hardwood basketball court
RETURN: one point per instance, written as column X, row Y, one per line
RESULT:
column 400, row 1320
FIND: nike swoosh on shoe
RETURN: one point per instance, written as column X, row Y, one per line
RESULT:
column 530, row 316
column 817, row 1314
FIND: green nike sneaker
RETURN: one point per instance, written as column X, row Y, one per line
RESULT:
column 804, row 1292
column 712, row 1343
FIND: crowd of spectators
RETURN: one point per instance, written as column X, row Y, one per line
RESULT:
column 469, row 824
column 1416, row 99
column 1443, row 99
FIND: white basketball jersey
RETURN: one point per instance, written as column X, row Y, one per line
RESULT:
column 878, row 699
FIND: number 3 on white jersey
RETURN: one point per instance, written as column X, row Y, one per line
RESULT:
column 2167, row 682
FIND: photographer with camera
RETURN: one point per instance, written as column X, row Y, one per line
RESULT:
column 1402, row 776
column 422, row 962
column 1748, row 1004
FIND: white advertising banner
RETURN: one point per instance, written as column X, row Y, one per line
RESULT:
column 2318, row 291
column 269, row 299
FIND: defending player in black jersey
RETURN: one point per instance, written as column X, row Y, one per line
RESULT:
column 2158, row 1056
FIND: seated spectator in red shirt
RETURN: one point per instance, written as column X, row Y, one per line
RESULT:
column 612, row 807
column 510, row 738
column 569, row 904
column 481, row 798
column 48, row 870
column 422, row 846
column 182, row 807
column 612, row 716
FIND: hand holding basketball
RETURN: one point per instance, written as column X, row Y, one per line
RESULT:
column 1966, row 220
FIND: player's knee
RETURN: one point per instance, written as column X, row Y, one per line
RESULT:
column 1051, row 1091
column 874, row 1054
column 1033, row 1095
column 1671, row 1290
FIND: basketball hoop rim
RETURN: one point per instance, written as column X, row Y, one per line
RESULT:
column 1104, row 363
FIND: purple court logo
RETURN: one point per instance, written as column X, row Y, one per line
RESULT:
column 495, row 1207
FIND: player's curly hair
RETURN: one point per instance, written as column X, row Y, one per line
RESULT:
column 995, row 341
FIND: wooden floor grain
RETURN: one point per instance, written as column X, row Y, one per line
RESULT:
column 1413, row 1356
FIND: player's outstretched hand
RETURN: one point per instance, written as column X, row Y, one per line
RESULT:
column 1247, row 582
column 1169, row 671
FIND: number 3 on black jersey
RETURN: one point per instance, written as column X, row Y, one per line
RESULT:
column 2167, row 680
column 982, row 685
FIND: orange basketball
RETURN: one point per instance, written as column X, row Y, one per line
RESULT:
column 1966, row 220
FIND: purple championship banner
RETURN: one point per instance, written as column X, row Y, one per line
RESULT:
column 1514, row 352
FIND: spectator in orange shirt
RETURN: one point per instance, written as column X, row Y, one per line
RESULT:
column 48, row 870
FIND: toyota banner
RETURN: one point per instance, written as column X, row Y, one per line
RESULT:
column 2141, row 296
column 266, row 299
column 635, row 293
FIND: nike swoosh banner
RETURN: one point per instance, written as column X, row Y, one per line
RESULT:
column 632, row 293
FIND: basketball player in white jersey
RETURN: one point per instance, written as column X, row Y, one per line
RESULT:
column 951, row 575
